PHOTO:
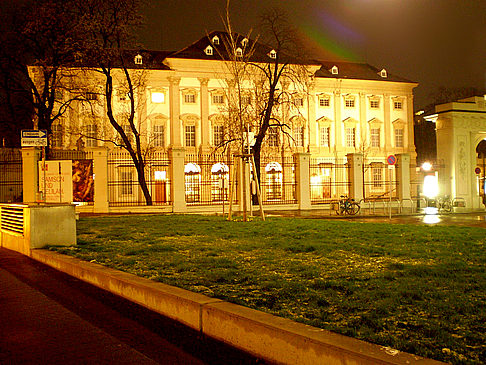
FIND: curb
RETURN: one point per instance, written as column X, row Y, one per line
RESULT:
column 269, row 337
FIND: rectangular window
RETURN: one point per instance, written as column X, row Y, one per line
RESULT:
column 349, row 103
column 299, row 136
column 299, row 102
column 397, row 105
column 126, row 178
column 398, row 137
column 128, row 131
column 377, row 177
column 189, row 98
column 158, row 97
column 159, row 136
column 218, row 99
column 190, row 135
column 91, row 96
column 350, row 137
column 218, row 135
column 324, row 102
column 272, row 137
column 325, row 136
column 90, row 132
column 374, row 104
column 246, row 100
column 375, row 137
column 56, row 140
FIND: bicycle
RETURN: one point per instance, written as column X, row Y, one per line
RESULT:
column 444, row 204
column 347, row 206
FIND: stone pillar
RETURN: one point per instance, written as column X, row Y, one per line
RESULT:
column 355, row 175
column 177, row 183
column 403, row 176
column 175, row 111
column 100, row 171
column 30, row 173
column 205, row 129
column 302, row 177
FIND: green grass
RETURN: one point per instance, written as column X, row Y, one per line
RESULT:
column 420, row 289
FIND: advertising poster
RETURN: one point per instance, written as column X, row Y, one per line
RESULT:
column 55, row 181
column 83, row 182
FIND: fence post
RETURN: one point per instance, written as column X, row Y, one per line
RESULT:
column 302, row 179
column 30, row 173
column 403, row 176
column 355, row 175
column 100, row 171
column 178, row 183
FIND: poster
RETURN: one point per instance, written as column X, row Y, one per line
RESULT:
column 83, row 181
column 55, row 181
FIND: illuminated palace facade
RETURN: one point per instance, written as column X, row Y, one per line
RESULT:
column 345, row 109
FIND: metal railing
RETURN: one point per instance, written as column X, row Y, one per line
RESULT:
column 328, row 179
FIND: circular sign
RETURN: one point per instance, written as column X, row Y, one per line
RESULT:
column 391, row 160
column 477, row 170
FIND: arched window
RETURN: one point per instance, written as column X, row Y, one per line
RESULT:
column 219, row 182
column 192, row 174
column 273, row 172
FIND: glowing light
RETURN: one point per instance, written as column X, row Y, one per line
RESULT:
column 160, row 175
column 431, row 186
column 431, row 218
column 426, row 166
column 158, row 97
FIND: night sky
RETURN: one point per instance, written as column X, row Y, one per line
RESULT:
column 433, row 42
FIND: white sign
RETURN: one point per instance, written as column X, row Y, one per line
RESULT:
column 34, row 138
column 56, row 181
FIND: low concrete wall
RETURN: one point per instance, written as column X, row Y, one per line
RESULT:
column 272, row 338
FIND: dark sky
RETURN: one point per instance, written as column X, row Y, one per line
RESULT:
column 433, row 42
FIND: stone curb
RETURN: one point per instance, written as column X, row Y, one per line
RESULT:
column 272, row 338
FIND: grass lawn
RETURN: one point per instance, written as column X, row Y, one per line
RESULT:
column 420, row 289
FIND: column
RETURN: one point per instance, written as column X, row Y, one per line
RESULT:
column 388, row 130
column 175, row 111
column 100, row 175
column 30, row 173
column 311, row 118
column 338, row 135
column 177, row 180
column 302, row 177
column 355, row 175
column 205, row 129
column 363, row 130
column 403, row 176
column 409, row 135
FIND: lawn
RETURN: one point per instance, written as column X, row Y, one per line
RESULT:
column 419, row 289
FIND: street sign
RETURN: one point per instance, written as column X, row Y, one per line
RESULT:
column 477, row 170
column 391, row 159
column 34, row 138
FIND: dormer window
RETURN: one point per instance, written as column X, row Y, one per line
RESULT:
column 383, row 74
column 244, row 42
column 215, row 40
column 334, row 70
column 239, row 52
column 209, row 50
column 138, row 59
column 272, row 54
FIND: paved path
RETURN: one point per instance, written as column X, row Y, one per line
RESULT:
column 47, row 317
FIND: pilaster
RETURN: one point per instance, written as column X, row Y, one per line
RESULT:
column 302, row 175
column 100, row 174
column 30, row 173
column 177, row 183
column 355, row 175
column 175, row 111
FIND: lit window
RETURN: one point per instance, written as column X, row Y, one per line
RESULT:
column 215, row 40
column 218, row 99
column 375, row 137
column 189, row 98
column 397, row 104
column 239, row 52
column 349, row 103
column 91, row 133
column 377, row 177
column 350, row 137
column 383, row 74
column 218, row 135
column 398, row 137
column 244, row 42
column 209, row 51
column 374, row 104
column 334, row 70
column 158, row 97
column 138, row 59
column 299, row 136
column 324, row 136
column 159, row 136
column 190, row 135
column 272, row 54
column 324, row 101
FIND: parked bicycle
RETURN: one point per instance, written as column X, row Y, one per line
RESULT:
column 347, row 206
column 444, row 204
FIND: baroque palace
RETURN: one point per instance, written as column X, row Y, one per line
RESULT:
column 337, row 130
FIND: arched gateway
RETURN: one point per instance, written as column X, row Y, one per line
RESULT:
column 461, row 130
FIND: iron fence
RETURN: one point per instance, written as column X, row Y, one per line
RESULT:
column 379, row 180
column 277, row 180
column 124, row 188
column 10, row 175
column 328, row 179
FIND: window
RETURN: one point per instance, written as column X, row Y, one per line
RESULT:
column 56, row 140
column 398, row 137
column 334, row 70
column 350, row 137
column 128, row 131
column 218, row 135
column 209, row 50
column 383, row 74
column 397, row 105
column 91, row 96
column 190, row 135
column 349, row 103
column 157, row 97
column 374, row 104
column 123, row 95
column 324, row 101
column 239, row 52
column 138, row 59
column 126, row 178
column 246, row 99
column 218, row 99
column 324, row 134
column 299, row 101
column 272, row 54
column 375, row 137
column 244, row 42
column 299, row 136
column 190, row 98
column 91, row 133
column 215, row 40
column 377, row 177
column 159, row 135
column 272, row 137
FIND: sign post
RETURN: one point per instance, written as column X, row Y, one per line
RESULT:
column 391, row 160
column 34, row 138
